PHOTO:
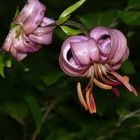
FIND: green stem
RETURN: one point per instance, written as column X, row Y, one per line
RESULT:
column 77, row 25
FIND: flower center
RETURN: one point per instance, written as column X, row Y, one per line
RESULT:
column 95, row 71
column 18, row 30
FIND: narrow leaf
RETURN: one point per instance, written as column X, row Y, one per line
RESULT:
column 69, row 31
column 16, row 14
column 62, row 20
column 35, row 111
column 133, row 4
column 106, row 18
column 52, row 78
column 72, row 8
column 130, row 17
column 17, row 110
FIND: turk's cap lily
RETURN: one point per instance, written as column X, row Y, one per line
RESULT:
column 97, row 49
column 31, row 30
column 97, row 57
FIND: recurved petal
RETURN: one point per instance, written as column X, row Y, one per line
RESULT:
column 111, row 67
column 42, row 39
column 105, row 47
column 18, row 55
column 73, row 63
column 35, row 19
column 99, row 32
column 134, row 91
column 46, row 21
column 66, row 44
column 27, row 10
column 125, row 83
column 114, row 44
column 8, row 41
column 119, row 44
column 66, row 47
column 43, row 30
column 86, row 51
column 125, row 56
column 30, row 46
column 71, row 68
column 24, row 45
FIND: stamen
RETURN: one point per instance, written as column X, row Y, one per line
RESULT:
column 81, row 97
column 90, row 84
column 90, row 101
column 124, row 82
column 95, row 70
column 126, row 78
column 102, row 85
column 116, row 92
column 104, row 71
column 114, row 83
column 107, row 81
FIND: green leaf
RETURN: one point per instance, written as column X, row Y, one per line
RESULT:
column 62, row 20
column 124, row 116
column 60, row 34
column 17, row 12
column 71, row 9
column 2, row 65
column 35, row 111
column 17, row 110
column 133, row 4
column 122, row 111
column 130, row 17
column 128, row 67
column 99, row 19
column 52, row 78
column 69, row 31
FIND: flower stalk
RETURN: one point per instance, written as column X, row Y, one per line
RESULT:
column 79, row 26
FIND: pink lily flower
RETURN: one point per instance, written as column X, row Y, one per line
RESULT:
column 31, row 30
column 97, row 57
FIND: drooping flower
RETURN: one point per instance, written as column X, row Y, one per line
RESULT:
column 97, row 57
column 30, row 29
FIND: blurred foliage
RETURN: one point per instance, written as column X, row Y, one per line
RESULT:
column 38, row 99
